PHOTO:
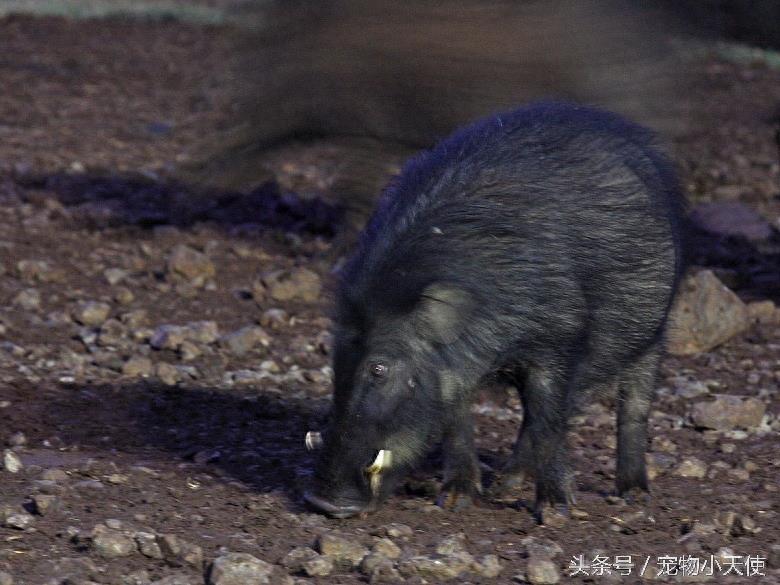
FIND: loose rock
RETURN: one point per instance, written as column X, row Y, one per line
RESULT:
column 240, row 569
column 138, row 367
column 344, row 551
column 319, row 566
column 542, row 571
column 13, row 518
column 244, row 340
column 91, row 313
column 28, row 299
column 705, row 315
column 188, row 264
column 728, row 412
column 692, row 467
column 11, row 462
column 286, row 285
column 111, row 544
column 178, row 552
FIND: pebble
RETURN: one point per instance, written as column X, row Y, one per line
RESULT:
column 123, row 295
column 167, row 373
column 489, row 567
column 91, row 313
column 18, row 439
column 240, row 569
column 54, row 474
column 387, row 548
column 138, row 367
column 168, row 337
column 177, row 551
column 394, row 530
column 705, row 315
column 541, row 547
column 294, row 560
column 245, row 339
column 287, row 285
column 11, row 462
column 541, row 571
column 111, row 544
column 13, row 518
column 319, row 566
column 45, row 503
column 147, row 545
column 728, row 412
column 344, row 551
column 188, row 264
column 6, row 578
column 692, row 467
column 28, row 299
column 114, row 275
column 436, row 568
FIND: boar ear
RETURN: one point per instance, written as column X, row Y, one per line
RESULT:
column 442, row 312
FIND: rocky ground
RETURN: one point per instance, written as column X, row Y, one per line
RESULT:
column 163, row 354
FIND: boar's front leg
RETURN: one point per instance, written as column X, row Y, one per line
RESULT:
column 462, row 477
column 635, row 391
column 546, row 402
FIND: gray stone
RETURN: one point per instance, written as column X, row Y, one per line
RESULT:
column 202, row 332
column 436, row 568
column 287, row 285
column 542, row 571
column 344, row 551
column 147, row 545
column 11, row 462
column 692, row 467
column 395, row 530
column 293, row 561
column 6, row 578
column 240, row 569
column 453, row 544
column 489, row 567
column 28, row 299
column 15, row 518
column 319, row 566
column 386, row 547
column 541, row 547
column 45, row 503
column 138, row 366
column 91, row 313
column 167, row 373
column 728, row 412
column 186, row 263
column 705, row 315
column 17, row 439
column 168, row 337
column 245, row 339
column 114, row 275
column 111, row 544
column 178, row 552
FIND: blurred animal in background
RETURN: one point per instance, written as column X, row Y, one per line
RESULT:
column 382, row 80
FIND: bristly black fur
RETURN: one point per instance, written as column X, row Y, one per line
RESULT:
column 544, row 242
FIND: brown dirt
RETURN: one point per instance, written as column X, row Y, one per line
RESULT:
column 82, row 103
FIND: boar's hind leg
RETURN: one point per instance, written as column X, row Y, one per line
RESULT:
column 462, row 477
column 635, row 392
column 521, row 462
column 547, row 411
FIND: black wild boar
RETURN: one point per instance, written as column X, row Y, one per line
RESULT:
column 542, row 245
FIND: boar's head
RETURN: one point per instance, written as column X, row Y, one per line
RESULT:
column 393, row 387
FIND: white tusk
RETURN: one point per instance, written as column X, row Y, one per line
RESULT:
column 313, row 440
column 384, row 460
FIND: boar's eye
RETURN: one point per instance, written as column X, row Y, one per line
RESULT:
column 378, row 370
